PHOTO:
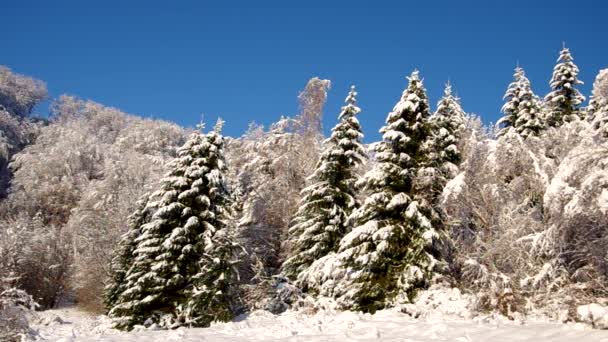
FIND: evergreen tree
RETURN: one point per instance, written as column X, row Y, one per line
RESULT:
column 320, row 221
column 185, row 252
column 213, row 296
column 511, row 108
column 529, row 122
column 385, row 255
column 448, row 124
column 442, row 156
column 522, row 111
column 564, row 100
column 123, row 255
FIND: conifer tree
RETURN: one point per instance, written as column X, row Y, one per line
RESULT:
column 564, row 101
column 522, row 111
column 185, row 252
column 385, row 255
column 510, row 108
column 213, row 296
column 448, row 124
column 320, row 221
column 529, row 121
column 442, row 156
column 123, row 255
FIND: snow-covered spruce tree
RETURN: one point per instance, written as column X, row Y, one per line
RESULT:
column 214, row 296
column 320, row 221
column 530, row 121
column 511, row 108
column 441, row 161
column 564, row 100
column 185, row 253
column 522, row 111
column 448, row 125
column 123, row 255
column 384, row 259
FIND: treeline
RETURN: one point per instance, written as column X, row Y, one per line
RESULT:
column 107, row 209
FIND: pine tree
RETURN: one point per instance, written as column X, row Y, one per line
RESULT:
column 185, row 252
column 522, row 111
column 564, row 100
column 327, row 202
column 385, row 254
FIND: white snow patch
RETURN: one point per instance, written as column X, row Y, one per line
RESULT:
column 602, row 201
column 386, row 325
column 453, row 188
column 594, row 314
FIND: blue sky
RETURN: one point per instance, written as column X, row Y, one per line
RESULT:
column 247, row 60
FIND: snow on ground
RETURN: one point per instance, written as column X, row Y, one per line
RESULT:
column 297, row 326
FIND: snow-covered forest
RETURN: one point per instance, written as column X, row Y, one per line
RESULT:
column 157, row 226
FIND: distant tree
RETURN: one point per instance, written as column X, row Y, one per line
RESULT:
column 267, row 176
column 15, row 134
column 440, row 163
column 564, row 101
column 20, row 94
column 530, row 121
column 523, row 110
column 312, row 100
column 598, row 105
column 511, row 108
column 320, row 221
column 268, row 171
column 448, row 124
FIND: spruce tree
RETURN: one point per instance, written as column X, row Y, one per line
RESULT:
column 511, row 108
column 213, row 295
column 442, row 157
column 185, row 252
column 320, row 221
column 522, row 111
column 386, row 254
column 529, row 122
column 448, row 124
column 564, row 101
column 122, row 258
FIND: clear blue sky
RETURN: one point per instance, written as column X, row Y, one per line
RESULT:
column 247, row 60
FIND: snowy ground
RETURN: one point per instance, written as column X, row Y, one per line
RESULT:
column 388, row 325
